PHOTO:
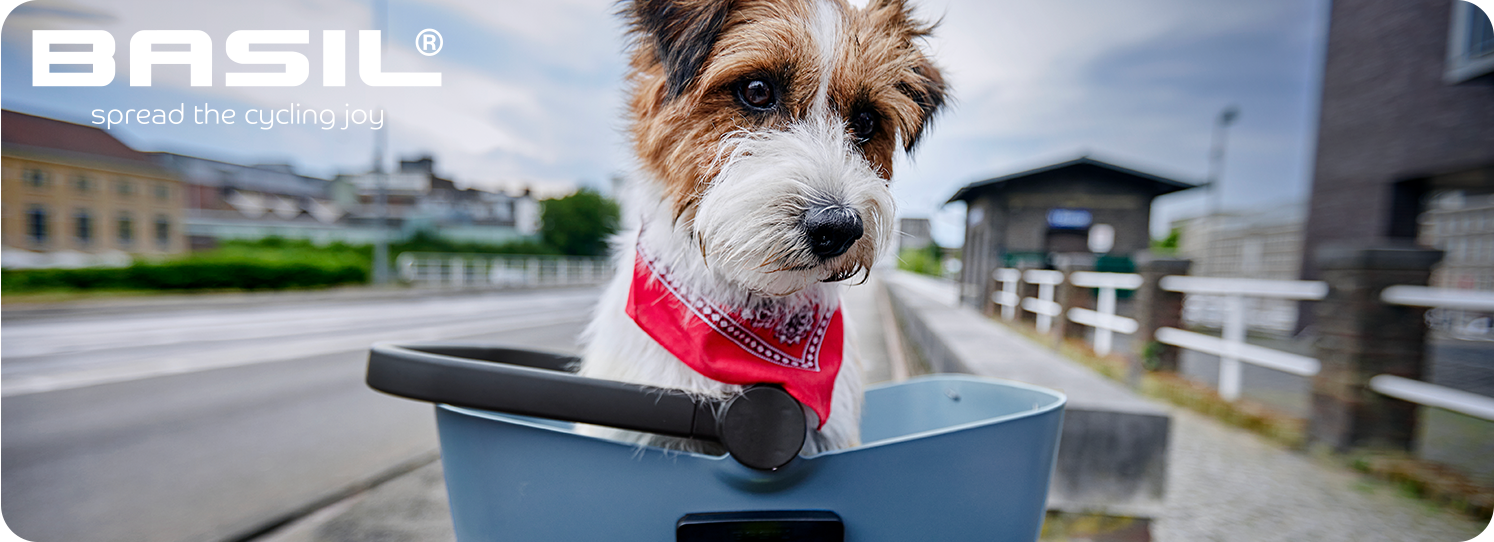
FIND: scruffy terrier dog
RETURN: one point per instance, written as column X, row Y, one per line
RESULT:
column 765, row 132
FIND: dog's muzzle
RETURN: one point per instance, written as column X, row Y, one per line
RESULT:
column 832, row 229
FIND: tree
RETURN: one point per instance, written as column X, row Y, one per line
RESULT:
column 1168, row 245
column 579, row 224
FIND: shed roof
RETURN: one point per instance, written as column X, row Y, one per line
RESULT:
column 1158, row 185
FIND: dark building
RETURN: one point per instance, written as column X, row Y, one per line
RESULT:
column 1027, row 217
column 1407, row 115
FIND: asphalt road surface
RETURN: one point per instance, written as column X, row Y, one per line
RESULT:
column 212, row 423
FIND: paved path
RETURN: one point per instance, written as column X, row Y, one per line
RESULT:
column 1225, row 484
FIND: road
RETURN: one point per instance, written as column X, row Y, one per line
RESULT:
column 211, row 423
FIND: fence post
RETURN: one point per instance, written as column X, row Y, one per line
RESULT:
column 1025, row 290
column 1155, row 309
column 1359, row 336
column 988, row 305
column 1070, row 296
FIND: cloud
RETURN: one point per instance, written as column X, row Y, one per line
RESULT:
column 1139, row 82
column 498, row 114
column 533, row 90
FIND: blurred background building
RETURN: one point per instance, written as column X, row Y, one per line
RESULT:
column 74, row 196
column 419, row 199
column 1462, row 226
column 1023, row 218
column 231, row 201
column 1263, row 243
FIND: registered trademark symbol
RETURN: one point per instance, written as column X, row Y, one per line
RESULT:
column 429, row 42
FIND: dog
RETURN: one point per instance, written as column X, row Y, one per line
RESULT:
column 765, row 133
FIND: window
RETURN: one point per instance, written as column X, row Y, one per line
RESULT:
column 163, row 231
column 126, row 227
column 163, row 191
column 83, row 184
column 36, row 224
column 34, row 178
column 124, row 187
column 83, row 227
column 1470, row 44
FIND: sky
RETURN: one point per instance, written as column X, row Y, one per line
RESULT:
column 532, row 92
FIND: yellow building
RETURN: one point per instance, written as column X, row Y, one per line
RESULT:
column 70, row 187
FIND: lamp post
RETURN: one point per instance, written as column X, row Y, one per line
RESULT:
column 1216, row 156
column 381, row 140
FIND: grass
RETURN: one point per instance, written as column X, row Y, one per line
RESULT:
column 1281, row 428
column 1416, row 478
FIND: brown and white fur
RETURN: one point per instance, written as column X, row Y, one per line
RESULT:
column 725, row 188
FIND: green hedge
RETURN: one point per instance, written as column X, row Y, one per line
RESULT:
column 923, row 261
column 188, row 275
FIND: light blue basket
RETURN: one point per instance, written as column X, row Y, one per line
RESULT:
column 945, row 458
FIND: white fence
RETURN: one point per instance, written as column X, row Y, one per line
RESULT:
column 1231, row 347
column 1043, row 304
column 1423, row 393
column 1103, row 318
column 433, row 269
column 1475, row 306
column 1007, row 297
column 1461, row 314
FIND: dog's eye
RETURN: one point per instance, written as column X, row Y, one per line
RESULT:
column 863, row 126
column 757, row 94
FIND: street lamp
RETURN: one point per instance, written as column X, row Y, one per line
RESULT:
column 381, row 141
column 1216, row 157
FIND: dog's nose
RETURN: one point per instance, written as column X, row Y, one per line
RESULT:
column 832, row 230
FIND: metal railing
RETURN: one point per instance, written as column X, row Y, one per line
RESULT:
column 1231, row 347
column 1424, row 393
column 433, row 269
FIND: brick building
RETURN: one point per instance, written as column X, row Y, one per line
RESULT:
column 75, row 189
column 1407, row 116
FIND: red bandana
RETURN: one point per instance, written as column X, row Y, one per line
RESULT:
column 799, row 351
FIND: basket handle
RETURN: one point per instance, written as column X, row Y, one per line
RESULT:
column 763, row 427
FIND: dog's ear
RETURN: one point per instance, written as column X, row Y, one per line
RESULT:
column 925, row 86
column 921, row 82
column 681, row 34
